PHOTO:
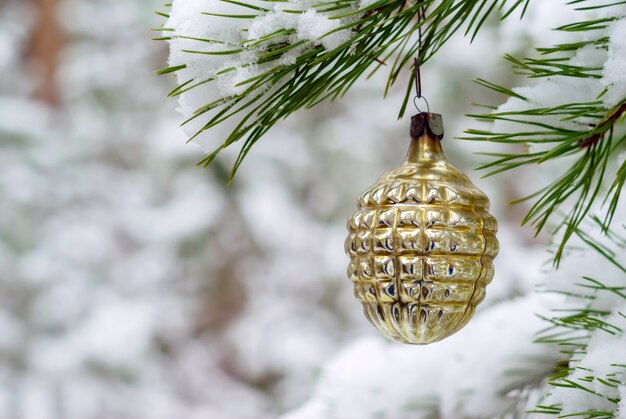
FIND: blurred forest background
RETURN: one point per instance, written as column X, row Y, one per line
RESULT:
column 134, row 285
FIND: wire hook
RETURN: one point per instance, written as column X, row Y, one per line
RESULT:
column 425, row 101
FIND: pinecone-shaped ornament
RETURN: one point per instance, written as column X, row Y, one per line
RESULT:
column 421, row 243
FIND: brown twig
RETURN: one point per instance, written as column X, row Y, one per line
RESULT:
column 44, row 49
column 606, row 124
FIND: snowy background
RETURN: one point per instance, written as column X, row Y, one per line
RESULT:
column 134, row 285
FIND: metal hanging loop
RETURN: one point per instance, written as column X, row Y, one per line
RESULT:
column 415, row 99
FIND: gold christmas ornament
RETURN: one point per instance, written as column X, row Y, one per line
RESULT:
column 421, row 244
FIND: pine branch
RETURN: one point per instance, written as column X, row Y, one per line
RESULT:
column 586, row 131
column 573, row 328
column 589, row 134
column 381, row 34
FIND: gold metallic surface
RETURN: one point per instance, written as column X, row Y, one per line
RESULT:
column 421, row 247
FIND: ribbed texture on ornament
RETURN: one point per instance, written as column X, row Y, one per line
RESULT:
column 421, row 248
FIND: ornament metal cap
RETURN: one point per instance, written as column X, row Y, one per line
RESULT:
column 426, row 123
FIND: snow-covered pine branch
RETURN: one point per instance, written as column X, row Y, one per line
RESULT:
column 248, row 65
column 570, row 122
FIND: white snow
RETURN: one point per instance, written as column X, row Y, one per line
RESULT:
column 313, row 26
column 605, row 359
column 614, row 72
column 621, row 411
column 187, row 20
column 466, row 375
column 271, row 22
column 366, row 3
